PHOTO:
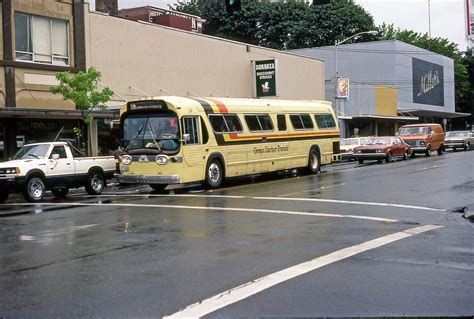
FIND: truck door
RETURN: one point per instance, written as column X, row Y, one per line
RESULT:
column 60, row 166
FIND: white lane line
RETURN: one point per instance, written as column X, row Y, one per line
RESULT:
column 311, row 190
column 234, row 295
column 234, row 209
column 321, row 200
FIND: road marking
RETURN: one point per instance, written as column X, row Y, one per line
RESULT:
column 321, row 200
column 312, row 190
column 244, row 291
column 234, row 209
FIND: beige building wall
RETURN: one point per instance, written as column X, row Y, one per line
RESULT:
column 32, row 86
column 138, row 56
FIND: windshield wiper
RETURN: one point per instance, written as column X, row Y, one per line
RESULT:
column 134, row 138
column 33, row 155
column 154, row 139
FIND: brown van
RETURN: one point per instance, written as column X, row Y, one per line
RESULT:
column 423, row 138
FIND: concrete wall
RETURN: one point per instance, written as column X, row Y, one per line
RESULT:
column 164, row 61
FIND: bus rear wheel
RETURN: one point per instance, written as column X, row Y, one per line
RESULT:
column 314, row 162
column 214, row 173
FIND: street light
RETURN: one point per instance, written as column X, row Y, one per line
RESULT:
column 336, row 44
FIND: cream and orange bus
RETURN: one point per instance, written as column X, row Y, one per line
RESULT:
column 175, row 140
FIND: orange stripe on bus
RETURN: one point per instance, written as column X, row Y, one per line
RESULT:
column 220, row 106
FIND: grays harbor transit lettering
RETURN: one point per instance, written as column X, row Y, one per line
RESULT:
column 270, row 149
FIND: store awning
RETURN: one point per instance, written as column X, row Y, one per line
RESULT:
column 440, row 114
column 21, row 113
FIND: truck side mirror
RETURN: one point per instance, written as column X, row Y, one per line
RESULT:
column 186, row 138
column 55, row 156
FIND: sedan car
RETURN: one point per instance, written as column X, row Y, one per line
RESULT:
column 348, row 145
column 459, row 139
column 382, row 148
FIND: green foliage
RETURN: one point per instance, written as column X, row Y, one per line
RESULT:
column 281, row 26
column 440, row 46
column 82, row 89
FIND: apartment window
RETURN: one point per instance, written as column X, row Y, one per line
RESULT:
column 41, row 39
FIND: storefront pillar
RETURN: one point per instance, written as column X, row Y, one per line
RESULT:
column 92, row 133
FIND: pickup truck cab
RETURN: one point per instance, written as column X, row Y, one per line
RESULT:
column 55, row 166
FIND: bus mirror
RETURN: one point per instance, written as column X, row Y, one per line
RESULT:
column 186, row 138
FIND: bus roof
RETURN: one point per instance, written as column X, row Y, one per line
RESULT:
column 224, row 104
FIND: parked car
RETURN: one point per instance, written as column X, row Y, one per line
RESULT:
column 423, row 138
column 57, row 166
column 348, row 145
column 459, row 139
column 382, row 148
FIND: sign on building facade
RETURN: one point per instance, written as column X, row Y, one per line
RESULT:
column 265, row 78
column 428, row 82
column 342, row 88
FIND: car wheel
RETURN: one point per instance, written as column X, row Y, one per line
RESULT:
column 158, row 187
column 440, row 150
column 214, row 173
column 60, row 192
column 428, row 152
column 412, row 155
column 454, row 149
column 95, row 183
column 466, row 146
column 3, row 197
column 34, row 190
column 360, row 160
column 389, row 157
column 314, row 161
column 406, row 155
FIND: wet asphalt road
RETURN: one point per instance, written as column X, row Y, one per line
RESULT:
column 133, row 253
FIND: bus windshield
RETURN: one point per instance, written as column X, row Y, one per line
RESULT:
column 154, row 131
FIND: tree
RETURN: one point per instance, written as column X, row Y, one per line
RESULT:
column 81, row 88
column 281, row 26
column 441, row 46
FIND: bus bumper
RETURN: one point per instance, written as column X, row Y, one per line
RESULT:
column 147, row 179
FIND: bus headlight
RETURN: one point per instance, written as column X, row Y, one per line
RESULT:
column 126, row 159
column 161, row 159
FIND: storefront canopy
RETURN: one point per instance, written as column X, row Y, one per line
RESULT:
column 429, row 113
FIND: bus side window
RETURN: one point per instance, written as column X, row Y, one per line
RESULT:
column 191, row 127
column 281, row 122
column 205, row 133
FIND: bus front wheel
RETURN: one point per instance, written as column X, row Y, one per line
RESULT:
column 214, row 173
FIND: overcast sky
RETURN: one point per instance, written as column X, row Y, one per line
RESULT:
column 447, row 16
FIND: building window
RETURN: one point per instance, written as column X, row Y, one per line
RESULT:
column 41, row 39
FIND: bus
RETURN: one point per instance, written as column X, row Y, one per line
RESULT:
column 178, row 140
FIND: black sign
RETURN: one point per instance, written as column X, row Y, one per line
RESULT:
column 265, row 78
column 428, row 83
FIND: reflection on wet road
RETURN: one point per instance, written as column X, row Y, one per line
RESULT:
column 357, row 240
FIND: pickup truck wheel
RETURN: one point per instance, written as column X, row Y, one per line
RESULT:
column 95, row 183
column 60, row 192
column 389, row 157
column 428, row 152
column 35, row 189
column 466, row 146
column 361, row 161
column 3, row 197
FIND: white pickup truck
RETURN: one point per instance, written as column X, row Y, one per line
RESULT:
column 56, row 166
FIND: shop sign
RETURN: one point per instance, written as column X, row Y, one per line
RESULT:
column 428, row 83
column 265, row 78
column 342, row 88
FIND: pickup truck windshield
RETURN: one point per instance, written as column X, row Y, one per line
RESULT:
column 154, row 131
column 31, row 151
